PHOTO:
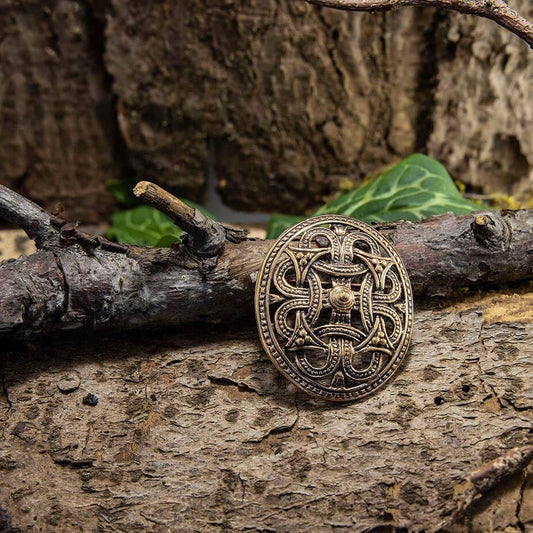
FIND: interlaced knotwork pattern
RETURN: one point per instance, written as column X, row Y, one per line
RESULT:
column 334, row 307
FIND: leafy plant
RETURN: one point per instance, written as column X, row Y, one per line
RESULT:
column 413, row 189
column 146, row 226
column 141, row 225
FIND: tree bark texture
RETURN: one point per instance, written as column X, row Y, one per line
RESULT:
column 59, row 139
column 195, row 430
column 483, row 117
column 291, row 101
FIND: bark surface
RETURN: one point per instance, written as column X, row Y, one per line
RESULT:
column 294, row 99
column 195, row 430
column 482, row 116
column 58, row 133
column 291, row 102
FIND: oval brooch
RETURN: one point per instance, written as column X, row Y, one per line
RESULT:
column 334, row 307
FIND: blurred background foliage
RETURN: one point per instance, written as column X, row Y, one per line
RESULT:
column 415, row 188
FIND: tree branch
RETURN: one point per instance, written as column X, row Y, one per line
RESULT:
column 25, row 214
column 88, row 281
column 495, row 10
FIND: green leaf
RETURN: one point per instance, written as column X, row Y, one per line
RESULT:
column 167, row 240
column 143, row 225
column 200, row 208
column 416, row 188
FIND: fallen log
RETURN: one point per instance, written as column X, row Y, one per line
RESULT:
column 195, row 430
column 79, row 280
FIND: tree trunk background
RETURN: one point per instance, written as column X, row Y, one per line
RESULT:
column 195, row 430
column 289, row 101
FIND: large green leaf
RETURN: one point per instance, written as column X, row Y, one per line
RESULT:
column 415, row 188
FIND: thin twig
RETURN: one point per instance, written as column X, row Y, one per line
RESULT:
column 496, row 10
column 165, row 202
column 486, row 478
column 206, row 236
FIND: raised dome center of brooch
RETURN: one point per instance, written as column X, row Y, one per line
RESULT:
column 341, row 298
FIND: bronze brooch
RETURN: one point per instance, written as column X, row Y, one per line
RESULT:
column 334, row 307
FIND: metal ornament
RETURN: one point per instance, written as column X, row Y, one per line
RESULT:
column 334, row 307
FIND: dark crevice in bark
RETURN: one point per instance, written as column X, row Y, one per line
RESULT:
column 387, row 109
column 427, row 80
column 518, row 408
column 5, row 392
column 66, row 288
column 520, row 501
column 74, row 464
column 226, row 382
column 96, row 24
column 331, row 50
column 278, row 430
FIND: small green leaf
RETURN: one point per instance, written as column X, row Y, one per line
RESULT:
column 416, row 188
column 167, row 240
column 143, row 225
column 200, row 208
